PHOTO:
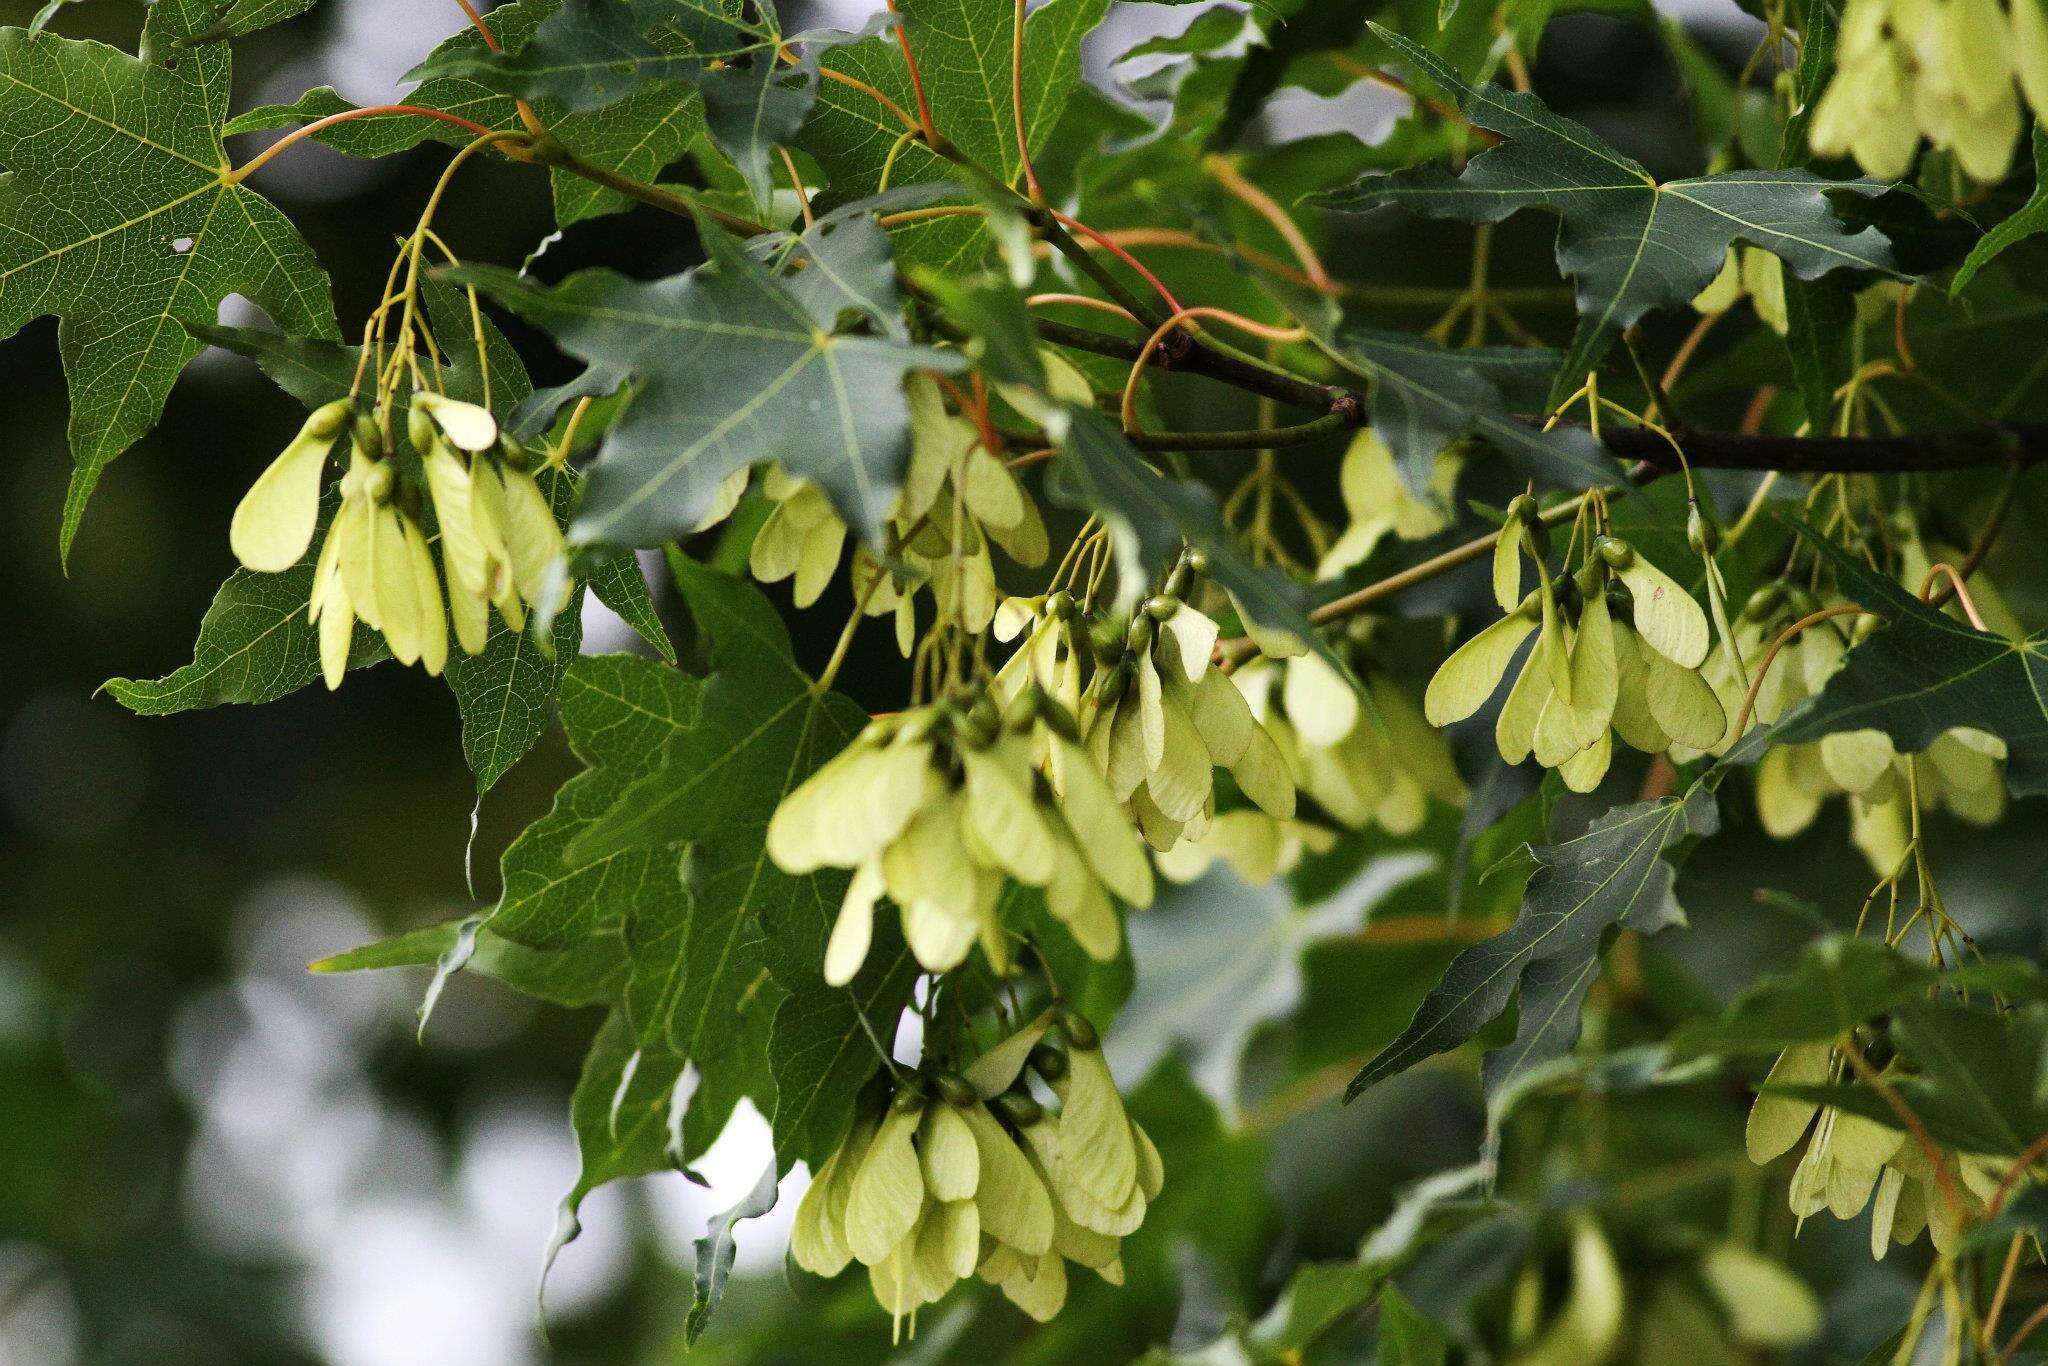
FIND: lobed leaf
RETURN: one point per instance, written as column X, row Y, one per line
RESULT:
column 1614, row 874
column 1927, row 673
column 731, row 366
column 1632, row 242
column 117, row 216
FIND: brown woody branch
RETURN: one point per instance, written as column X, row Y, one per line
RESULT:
column 1993, row 444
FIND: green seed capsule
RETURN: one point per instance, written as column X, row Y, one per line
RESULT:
column 1521, row 508
column 367, row 438
column 1079, row 1032
column 1138, row 635
column 1020, row 1109
column 1700, row 533
column 1764, row 601
column 1059, row 606
column 1618, row 553
column 419, row 429
column 1162, row 607
column 1106, row 639
column 377, row 482
column 1048, row 1061
column 1115, row 682
column 955, row 1090
column 1024, row 708
column 1059, row 719
column 911, row 1097
column 1197, row 561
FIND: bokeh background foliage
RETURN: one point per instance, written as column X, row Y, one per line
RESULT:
column 209, row 1156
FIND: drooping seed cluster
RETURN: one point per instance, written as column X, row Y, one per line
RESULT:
column 935, row 807
column 958, row 1174
column 1850, row 1159
column 500, row 544
column 959, row 503
column 1951, row 71
column 1619, row 645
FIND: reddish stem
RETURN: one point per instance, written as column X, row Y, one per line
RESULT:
column 304, row 131
column 1116, row 250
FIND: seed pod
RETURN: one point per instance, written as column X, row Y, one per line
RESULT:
column 467, row 426
column 1058, row 719
column 1764, row 600
column 2030, row 52
column 1004, row 816
column 1019, row 1109
column 1666, row 617
column 1465, row 680
column 1097, row 1152
column 1080, row 1033
column 954, row 1089
column 1049, row 1062
column 1014, row 1205
column 273, row 524
column 1776, row 1121
column 947, row 1154
column 420, row 429
column 1507, row 558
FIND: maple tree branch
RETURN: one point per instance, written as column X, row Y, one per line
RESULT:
column 549, row 152
column 1989, row 445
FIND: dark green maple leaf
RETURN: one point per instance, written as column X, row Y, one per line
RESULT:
column 731, row 367
column 638, row 136
column 118, row 215
column 619, row 712
column 1926, row 673
column 1632, row 242
column 591, row 53
column 1614, row 874
column 758, row 83
column 1425, row 397
column 823, row 1048
column 963, row 49
column 762, row 728
column 1839, row 982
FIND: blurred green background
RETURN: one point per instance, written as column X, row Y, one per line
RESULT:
column 209, row 1156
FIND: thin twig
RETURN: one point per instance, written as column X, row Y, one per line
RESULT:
column 1785, row 637
column 307, row 130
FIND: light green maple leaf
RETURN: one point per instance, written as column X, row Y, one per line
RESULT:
column 120, row 217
